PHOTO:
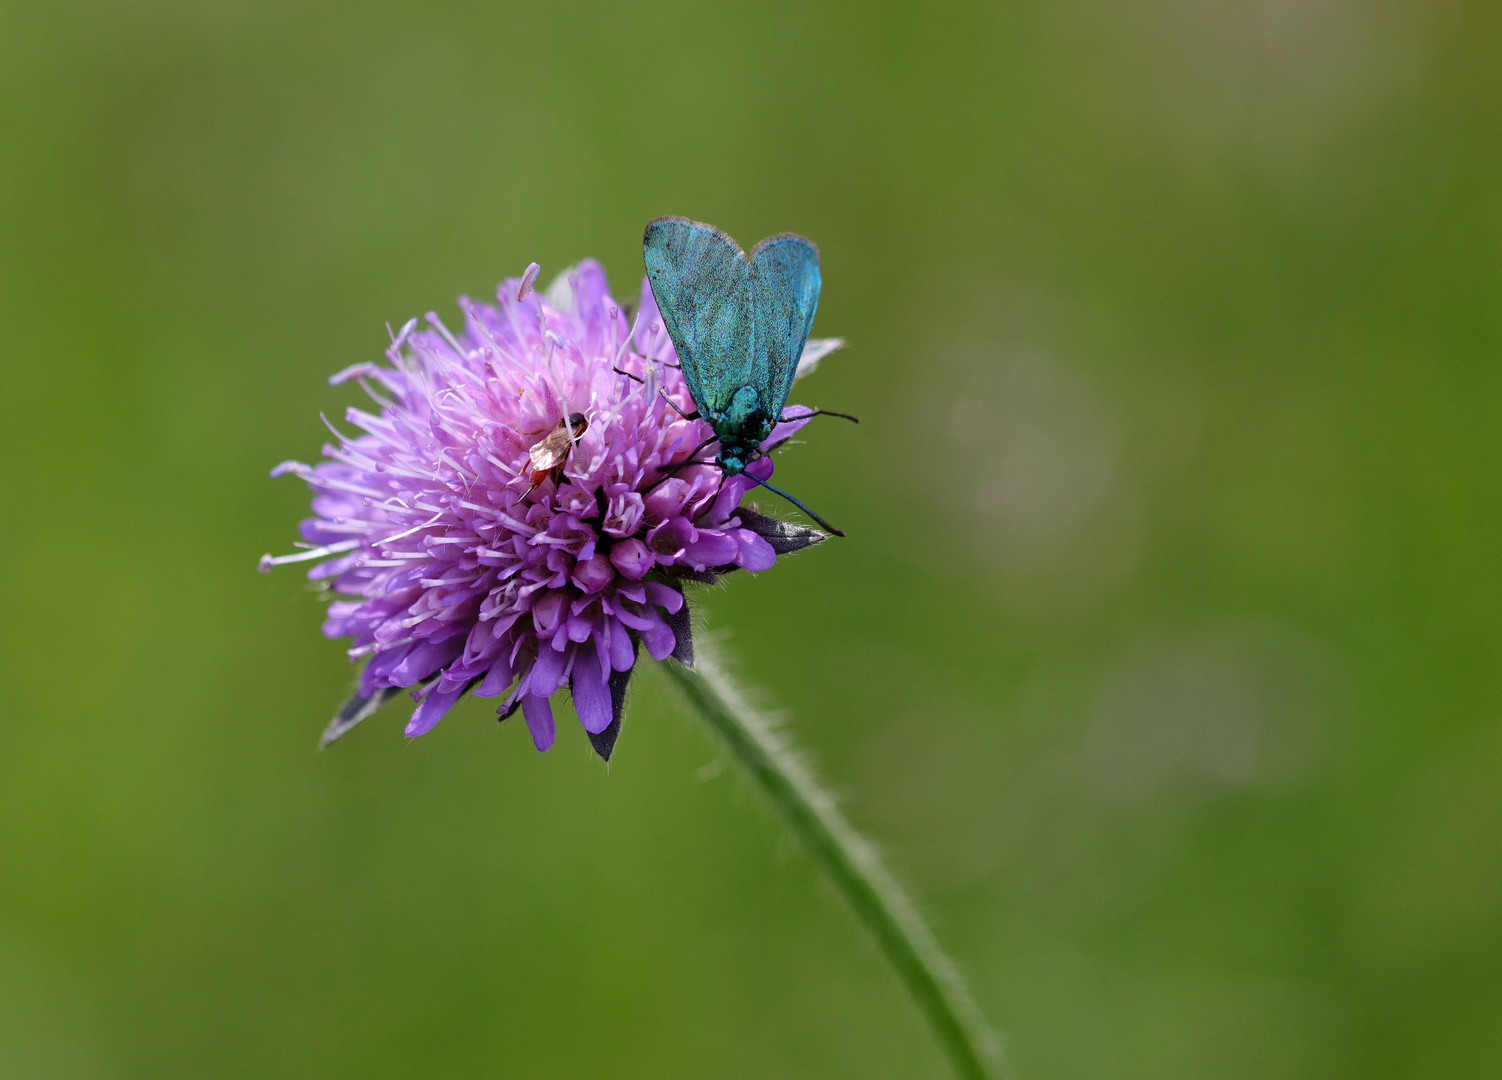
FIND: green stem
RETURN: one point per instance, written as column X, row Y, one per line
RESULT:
column 851, row 864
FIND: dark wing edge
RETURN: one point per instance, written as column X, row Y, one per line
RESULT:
column 784, row 236
column 786, row 280
column 696, row 270
column 667, row 220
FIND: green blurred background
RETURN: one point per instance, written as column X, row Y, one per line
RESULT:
column 1164, row 659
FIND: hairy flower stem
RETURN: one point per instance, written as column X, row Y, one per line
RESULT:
column 851, row 863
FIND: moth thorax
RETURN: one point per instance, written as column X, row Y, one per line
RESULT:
column 745, row 405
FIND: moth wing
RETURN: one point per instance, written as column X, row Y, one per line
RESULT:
column 702, row 284
column 785, row 282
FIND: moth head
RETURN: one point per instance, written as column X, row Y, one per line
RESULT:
column 734, row 456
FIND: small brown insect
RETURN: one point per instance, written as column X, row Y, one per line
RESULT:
column 548, row 455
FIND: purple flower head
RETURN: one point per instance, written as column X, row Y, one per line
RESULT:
column 517, row 515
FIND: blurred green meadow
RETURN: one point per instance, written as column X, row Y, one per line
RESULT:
column 1164, row 659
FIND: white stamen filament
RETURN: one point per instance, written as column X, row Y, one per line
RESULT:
column 409, row 532
column 268, row 560
column 398, row 340
column 435, row 321
column 377, row 646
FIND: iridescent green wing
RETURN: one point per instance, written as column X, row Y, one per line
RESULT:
column 702, row 284
column 785, row 290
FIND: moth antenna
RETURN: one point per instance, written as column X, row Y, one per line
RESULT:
column 695, row 415
column 795, row 502
column 685, row 463
column 818, row 412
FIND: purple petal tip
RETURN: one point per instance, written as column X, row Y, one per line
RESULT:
column 529, row 278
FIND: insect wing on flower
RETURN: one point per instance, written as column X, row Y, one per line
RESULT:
column 549, row 455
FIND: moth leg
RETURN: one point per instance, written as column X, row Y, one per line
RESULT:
column 637, row 378
column 686, row 415
column 686, row 462
column 665, row 477
column 667, row 473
